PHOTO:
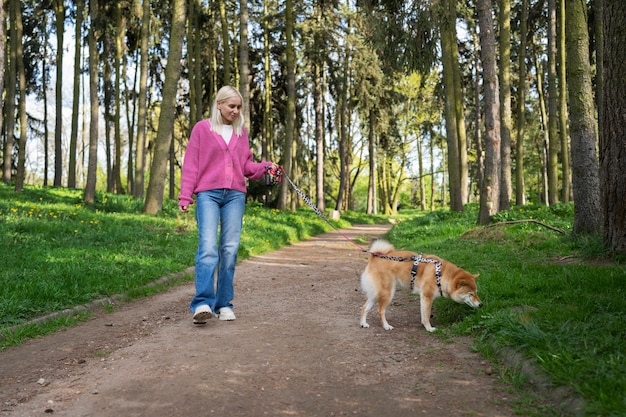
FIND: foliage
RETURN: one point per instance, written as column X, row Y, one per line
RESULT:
column 553, row 297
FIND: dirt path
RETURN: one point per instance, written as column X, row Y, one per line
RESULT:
column 296, row 349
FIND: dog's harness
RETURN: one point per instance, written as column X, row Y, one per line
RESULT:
column 416, row 261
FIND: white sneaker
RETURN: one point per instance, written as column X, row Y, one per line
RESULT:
column 226, row 313
column 202, row 314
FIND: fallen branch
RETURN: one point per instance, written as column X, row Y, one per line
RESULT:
column 556, row 229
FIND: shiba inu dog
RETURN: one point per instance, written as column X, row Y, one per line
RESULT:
column 427, row 275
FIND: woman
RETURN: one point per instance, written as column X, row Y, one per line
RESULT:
column 217, row 162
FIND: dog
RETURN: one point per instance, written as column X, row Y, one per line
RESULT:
column 387, row 267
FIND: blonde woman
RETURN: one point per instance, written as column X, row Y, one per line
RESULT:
column 215, row 167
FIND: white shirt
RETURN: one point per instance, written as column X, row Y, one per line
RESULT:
column 227, row 133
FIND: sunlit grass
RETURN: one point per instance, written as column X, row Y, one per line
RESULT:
column 555, row 298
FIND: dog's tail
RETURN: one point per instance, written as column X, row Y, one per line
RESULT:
column 381, row 246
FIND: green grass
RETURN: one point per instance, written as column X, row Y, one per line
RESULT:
column 59, row 253
column 550, row 296
column 553, row 298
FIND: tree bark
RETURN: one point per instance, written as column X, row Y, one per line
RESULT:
column 520, row 186
column 92, row 162
column 156, row 184
column 585, row 178
column 142, row 111
column 613, row 138
column 59, row 11
column 489, row 194
column 21, row 79
column 553, row 142
column 564, row 137
column 71, row 174
column 504, row 18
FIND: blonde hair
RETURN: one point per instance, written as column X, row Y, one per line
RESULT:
column 224, row 94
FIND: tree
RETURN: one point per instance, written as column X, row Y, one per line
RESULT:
column 553, row 143
column 11, row 75
column 140, row 160
column 94, row 108
column 71, row 174
column 504, row 19
column 613, row 136
column 564, row 137
column 290, row 116
column 156, row 185
column 585, row 179
column 520, row 186
column 3, row 44
column 489, row 194
column 59, row 11
column 21, row 79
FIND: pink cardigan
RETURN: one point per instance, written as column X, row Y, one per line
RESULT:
column 211, row 164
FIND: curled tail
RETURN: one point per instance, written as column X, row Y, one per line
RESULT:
column 381, row 246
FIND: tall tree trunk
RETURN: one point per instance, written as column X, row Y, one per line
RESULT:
column 226, row 80
column 372, row 206
column 59, row 11
column 520, row 187
column 319, row 134
column 480, row 155
column 553, row 141
column 71, row 174
column 585, row 178
column 489, row 194
column 543, row 193
column 92, row 161
column 21, row 78
column 267, row 134
column 3, row 49
column 448, row 36
column 156, row 184
column 504, row 17
column 119, row 49
column 290, row 121
column 142, row 112
column 564, row 137
column 11, row 87
column 613, row 138
column 244, row 64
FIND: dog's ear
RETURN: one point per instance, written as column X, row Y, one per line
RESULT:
column 476, row 276
column 461, row 283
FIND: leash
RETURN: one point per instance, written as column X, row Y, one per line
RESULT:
column 275, row 176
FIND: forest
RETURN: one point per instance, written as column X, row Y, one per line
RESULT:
column 371, row 105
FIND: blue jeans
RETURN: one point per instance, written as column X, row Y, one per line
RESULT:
column 223, row 208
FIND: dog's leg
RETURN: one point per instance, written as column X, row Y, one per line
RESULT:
column 383, row 303
column 366, row 309
column 426, row 304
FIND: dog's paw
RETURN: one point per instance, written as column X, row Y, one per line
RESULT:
column 430, row 328
column 365, row 325
column 388, row 327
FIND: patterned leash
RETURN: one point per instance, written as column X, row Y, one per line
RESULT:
column 276, row 177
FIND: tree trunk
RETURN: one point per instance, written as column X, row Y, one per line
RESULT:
column 3, row 49
column 156, row 184
column 226, row 62
column 11, row 87
column 59, row 11
column 142, row 111
column 119, row 49
column 564, row 137
column 290, row 120
column 553, row 142
column 520, row 187
column 92, row 164
column 448, row 36
column 71, row 174
column 613, row 138
column 582, row 123
column 21, row 77
column 489, row 194
column 244, row 65
column 504, row 18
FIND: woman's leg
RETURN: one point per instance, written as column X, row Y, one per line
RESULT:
column 231, row 218
column 207, row 215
